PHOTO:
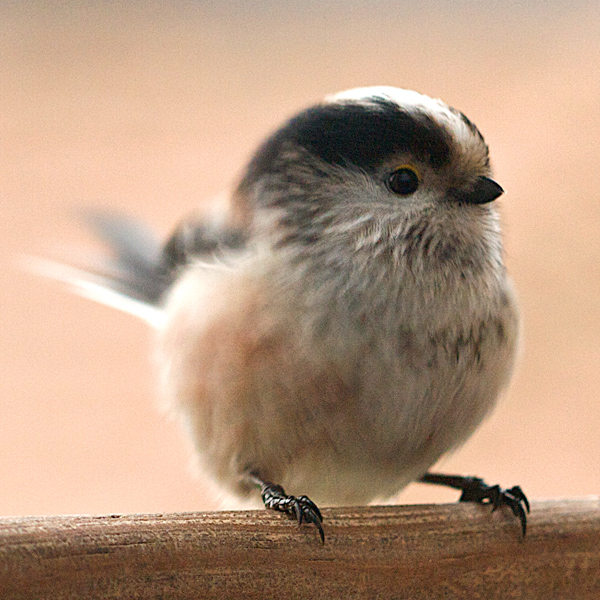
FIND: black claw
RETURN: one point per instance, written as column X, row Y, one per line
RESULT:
column 518, row 493
column 520, row 514
column 516, row 499
column 309, row 503
column 296, row 510
column 301, row 508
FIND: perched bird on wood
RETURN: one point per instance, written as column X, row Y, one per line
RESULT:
column 345, row 318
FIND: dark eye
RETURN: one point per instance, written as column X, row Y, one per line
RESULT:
column 404, row 181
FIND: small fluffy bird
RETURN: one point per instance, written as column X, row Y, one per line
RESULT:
column 345, row 318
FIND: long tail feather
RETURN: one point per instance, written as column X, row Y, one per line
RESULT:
column 131, row 277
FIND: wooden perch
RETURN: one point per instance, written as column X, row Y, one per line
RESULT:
column 424, row 551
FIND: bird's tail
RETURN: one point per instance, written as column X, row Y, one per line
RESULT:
column 131, row 277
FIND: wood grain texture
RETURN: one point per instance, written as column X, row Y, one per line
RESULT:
column 423, row 551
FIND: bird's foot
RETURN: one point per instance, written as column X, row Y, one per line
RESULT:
column 301, row 508
column 476, row 490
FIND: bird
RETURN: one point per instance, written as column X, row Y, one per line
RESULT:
column 341, row 319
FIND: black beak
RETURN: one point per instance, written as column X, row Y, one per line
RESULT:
column 485, row 190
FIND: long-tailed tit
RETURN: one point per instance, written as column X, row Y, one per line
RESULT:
column 345, row 319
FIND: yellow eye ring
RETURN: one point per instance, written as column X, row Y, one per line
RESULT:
column 404, row 180
column 410, row 168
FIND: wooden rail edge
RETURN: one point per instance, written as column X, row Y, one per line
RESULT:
column 423, row 551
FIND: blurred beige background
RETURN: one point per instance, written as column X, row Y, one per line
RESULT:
column 152, row 107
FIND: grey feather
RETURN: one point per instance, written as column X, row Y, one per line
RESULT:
column 135, row 267
column 132, row 276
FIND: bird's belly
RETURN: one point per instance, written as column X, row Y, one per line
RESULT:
column 344, row 425
column 409, row 411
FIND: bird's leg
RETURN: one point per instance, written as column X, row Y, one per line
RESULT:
column 301, row 508
column 476, row 490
